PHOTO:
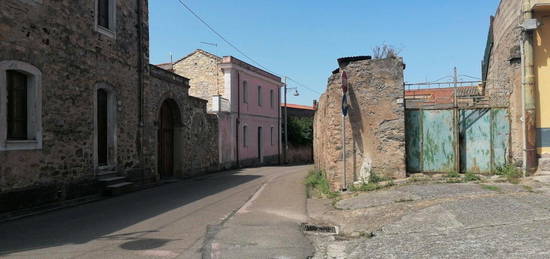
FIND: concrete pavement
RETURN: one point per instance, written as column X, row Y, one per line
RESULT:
column 164, row 222
column 268, row 226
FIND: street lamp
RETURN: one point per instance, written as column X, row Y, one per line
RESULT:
column 285, row 150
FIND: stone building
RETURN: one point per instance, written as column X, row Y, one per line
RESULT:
column 246, row 100
column 515, row 70
column 82, row 111
column 375, row 127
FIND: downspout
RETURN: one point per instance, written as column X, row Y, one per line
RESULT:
column 530, row 152
column 279, row 123
column 140, row 82
column 238, row 116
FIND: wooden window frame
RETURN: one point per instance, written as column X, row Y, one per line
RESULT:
column 109, row 31
column 34, row 107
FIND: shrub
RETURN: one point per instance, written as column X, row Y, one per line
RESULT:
column 512, row 173
column 470, row 177
column 317, row 181
column 375, row 178
column 365, row 187
column 453, row 174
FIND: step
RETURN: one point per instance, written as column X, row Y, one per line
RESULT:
column 543, row 173
column 111, row 180
column 544, row 164
column 106, row 174
column 119, row 188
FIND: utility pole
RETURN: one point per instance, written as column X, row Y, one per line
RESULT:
column 285, row 148
column 456, row 120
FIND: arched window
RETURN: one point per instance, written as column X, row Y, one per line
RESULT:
column 20, row 106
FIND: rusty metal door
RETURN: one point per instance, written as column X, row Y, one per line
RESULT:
column 484, row 139
column 483, row 144
column 166, row 142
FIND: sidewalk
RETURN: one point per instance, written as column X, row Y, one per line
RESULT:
column 268, row 225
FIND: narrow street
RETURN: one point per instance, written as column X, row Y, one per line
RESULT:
column 169, row 221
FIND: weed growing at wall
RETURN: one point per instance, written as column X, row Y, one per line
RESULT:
column 510, row 172
column 317, row 183
column 471, row 177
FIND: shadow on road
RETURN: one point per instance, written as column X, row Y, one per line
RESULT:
column 98, row 220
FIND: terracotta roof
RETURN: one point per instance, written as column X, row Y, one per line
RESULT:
column 236, row 61
column 346, row 60
column 442, row 95
column 166, row 66
column 297, row 106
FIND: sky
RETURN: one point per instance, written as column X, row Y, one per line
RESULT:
column 303, row 38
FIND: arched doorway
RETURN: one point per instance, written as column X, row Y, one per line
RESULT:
column 102, row 127
column 168, row 120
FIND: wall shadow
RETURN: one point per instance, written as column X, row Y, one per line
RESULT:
column 98, row 220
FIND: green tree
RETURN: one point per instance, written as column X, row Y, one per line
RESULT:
column 300, row 131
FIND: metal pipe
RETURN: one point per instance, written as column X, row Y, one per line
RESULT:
column 285, row 148
column 141, row 87
column 238, row 122
column 529, row 95
column 279, row 123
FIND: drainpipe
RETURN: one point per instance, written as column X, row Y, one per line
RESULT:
column 279, row 123
column 529, row 116
column 238, row 115
column 141, row 62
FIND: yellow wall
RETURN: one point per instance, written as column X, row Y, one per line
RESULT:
column 542, row 69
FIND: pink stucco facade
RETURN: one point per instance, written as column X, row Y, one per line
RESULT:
column 246, row 100
column 251, row 126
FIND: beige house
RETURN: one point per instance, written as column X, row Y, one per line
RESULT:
column 206, row 78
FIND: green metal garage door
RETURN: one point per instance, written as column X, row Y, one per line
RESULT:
column 483, row 140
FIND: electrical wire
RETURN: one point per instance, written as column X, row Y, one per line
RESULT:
column 236, row 48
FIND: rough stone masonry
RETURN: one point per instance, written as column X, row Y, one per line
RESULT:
column 375, row 127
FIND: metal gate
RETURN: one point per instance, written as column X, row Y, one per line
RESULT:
column 477, row 138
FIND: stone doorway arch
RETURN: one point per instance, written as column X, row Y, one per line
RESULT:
column 169, row 121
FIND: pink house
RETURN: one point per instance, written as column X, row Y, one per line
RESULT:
column 246, row 100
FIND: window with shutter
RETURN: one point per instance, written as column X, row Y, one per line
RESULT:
column 103, row 13
column 17, row 105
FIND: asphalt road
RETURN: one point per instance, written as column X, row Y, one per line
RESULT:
column 169, row 221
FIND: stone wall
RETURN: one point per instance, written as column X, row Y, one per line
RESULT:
column 503, row 87
column 59, row 38
column 375, row 127
column 196, row 134
column 206, row 77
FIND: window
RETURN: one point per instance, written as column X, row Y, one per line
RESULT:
column 245, row 92
column 245, row 132
column 20, row 107
column 106, row 17
column 271, row 98
column 259, row 96
column 271, row 136
column 17, row 105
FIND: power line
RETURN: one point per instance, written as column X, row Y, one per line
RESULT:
column 235, row 47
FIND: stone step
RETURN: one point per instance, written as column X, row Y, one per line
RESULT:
column 543, row 173
column 106, row 174
column 119, row 188
column 111, row 180
column 544, row 164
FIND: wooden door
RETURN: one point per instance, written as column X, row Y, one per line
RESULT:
column 102, row 127
column 166, row 142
